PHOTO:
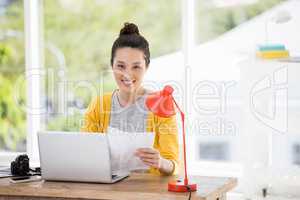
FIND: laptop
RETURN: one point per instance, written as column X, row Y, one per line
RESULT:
column 76, row 156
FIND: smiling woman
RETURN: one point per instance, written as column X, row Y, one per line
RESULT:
column 125, row 108
column 130, row 59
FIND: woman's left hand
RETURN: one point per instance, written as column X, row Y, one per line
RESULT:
column 150, row 157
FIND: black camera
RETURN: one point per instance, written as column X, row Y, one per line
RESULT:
column 20, row 167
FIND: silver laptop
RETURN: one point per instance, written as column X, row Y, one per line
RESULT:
column 74, row 156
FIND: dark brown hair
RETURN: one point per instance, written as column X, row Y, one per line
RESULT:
column 130, row 37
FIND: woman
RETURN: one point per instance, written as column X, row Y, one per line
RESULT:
column 125, row 107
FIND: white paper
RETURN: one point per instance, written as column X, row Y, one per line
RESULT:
column 123, row 145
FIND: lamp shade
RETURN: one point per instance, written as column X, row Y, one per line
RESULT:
column 161, row 103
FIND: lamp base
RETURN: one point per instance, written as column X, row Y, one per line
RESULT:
column 179, row 186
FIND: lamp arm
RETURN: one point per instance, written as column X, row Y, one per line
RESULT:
column 183, row 137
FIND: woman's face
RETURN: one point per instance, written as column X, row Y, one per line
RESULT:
column 129, row 68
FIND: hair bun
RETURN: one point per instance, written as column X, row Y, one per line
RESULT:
column 129, row 28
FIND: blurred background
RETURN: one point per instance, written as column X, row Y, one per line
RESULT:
column 77, row 39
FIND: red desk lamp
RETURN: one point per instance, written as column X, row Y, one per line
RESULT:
column 162, row 104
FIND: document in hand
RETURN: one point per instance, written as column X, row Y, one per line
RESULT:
column 123, row 146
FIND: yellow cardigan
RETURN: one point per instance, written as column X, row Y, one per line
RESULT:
column 97, row 118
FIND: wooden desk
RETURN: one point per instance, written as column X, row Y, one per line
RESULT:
column 137, row 186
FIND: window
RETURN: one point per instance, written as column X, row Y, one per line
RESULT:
column 214, row 18
column 12, row 67
column 219, row 46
